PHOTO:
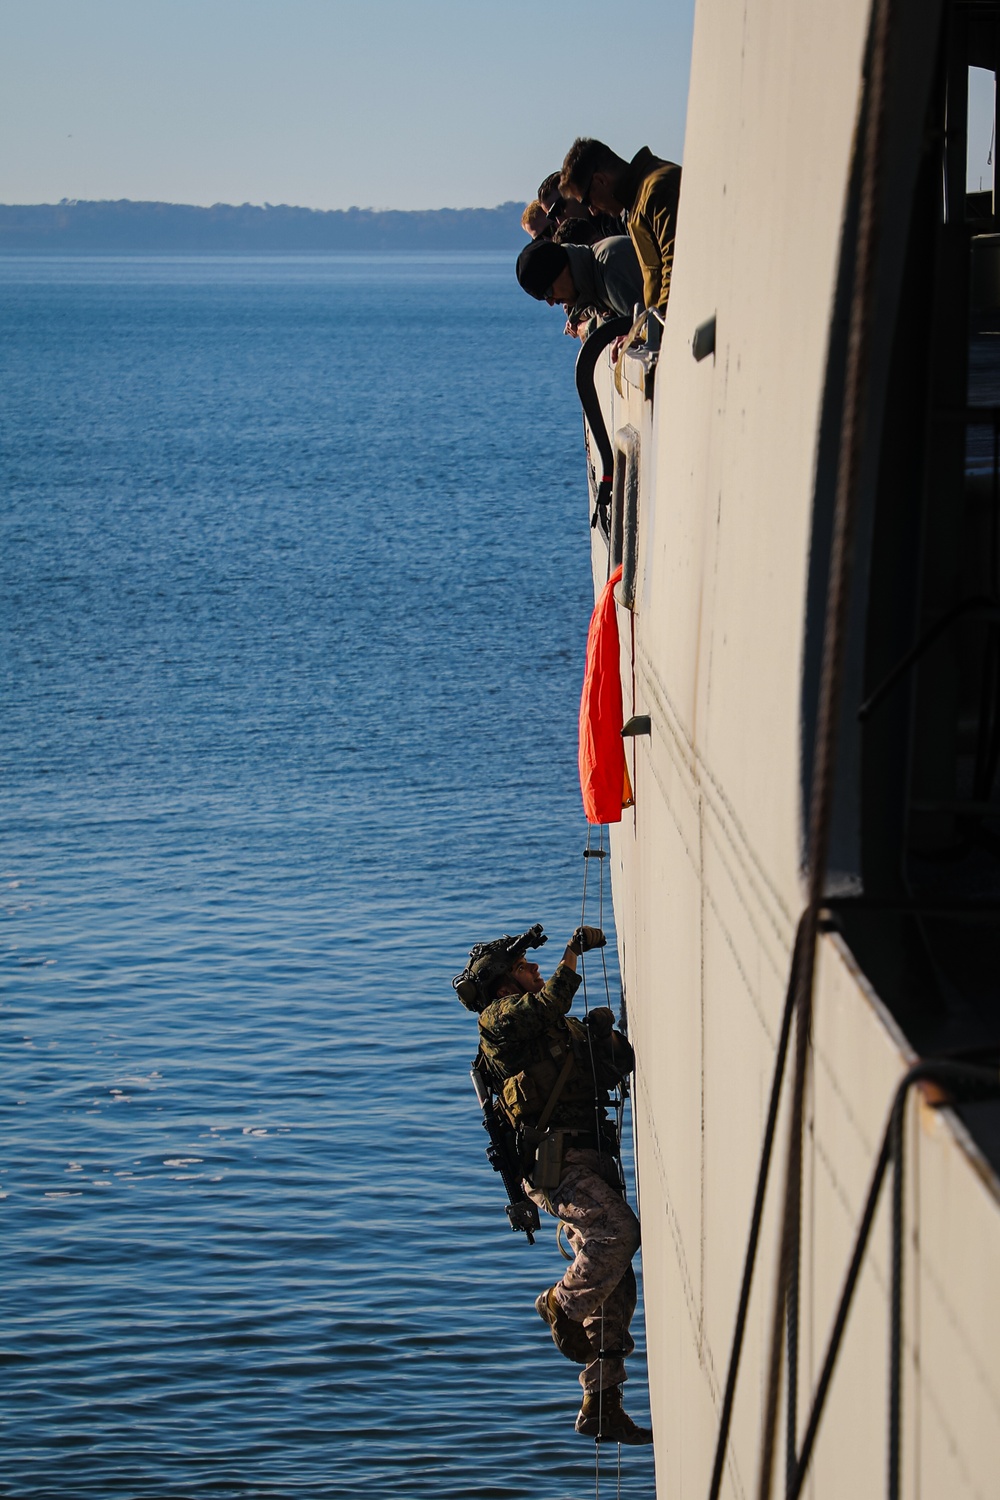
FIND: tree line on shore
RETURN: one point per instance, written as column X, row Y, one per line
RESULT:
column 129, row 227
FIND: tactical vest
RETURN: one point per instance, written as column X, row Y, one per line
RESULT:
column 525, row 1071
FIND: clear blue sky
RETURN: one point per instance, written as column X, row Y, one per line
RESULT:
column 383, row 103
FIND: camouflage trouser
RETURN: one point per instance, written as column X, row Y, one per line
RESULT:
column 598, row 1289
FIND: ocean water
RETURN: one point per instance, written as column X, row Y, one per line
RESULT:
column 294, row 591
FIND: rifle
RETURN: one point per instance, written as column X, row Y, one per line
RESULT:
column 501, row 1153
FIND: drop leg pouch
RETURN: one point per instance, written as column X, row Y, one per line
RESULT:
column 547, row 1171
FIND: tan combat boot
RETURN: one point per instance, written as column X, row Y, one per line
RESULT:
column 570, row 1338
column 602, row 1418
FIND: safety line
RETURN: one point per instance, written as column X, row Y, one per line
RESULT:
column 619, row 1106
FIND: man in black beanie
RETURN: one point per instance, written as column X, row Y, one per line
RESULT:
column 605, row 276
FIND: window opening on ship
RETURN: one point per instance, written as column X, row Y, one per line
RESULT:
column 915, row 884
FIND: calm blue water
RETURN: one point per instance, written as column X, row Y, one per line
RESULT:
column 293, row 560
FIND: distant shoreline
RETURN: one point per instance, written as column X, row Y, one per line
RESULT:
column 128, row 227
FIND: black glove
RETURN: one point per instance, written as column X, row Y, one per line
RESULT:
column 600, row 1020
column 585, row 938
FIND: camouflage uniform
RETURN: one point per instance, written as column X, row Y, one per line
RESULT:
column 604, row 1232
column 524, row 1040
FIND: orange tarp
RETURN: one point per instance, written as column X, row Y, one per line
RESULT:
column 603, row 774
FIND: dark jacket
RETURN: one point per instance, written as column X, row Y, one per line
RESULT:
column 607, row 276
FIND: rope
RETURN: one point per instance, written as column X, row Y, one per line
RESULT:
column 965, row 1082
column 600, row 917
column 583, row 912
column 897, row 1155
column 758, row 1209
column 600, row 855
column 597, row 1125
column 831, row 682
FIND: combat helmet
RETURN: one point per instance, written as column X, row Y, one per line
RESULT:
column 489, row 962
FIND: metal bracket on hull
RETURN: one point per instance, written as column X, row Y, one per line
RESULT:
column 638, row 724
column 703, row 343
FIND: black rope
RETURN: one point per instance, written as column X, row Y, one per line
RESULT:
column 964, row 1082
column 792, row 1349
column 852, row 437
column 758, row 1210
column 896, row 1154
column 812, row 1425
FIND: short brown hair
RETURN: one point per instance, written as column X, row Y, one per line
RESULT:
column 585, row 231
column 583, row 159
column 533, row 212
column 549, row 187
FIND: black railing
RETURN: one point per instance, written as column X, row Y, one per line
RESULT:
column 586, row 364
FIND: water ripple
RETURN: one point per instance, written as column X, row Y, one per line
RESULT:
column 294, row 593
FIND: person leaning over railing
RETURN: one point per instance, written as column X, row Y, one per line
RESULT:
column 604, row 277
column 535, row 221
column 646, row 189
column 578, row 232
column 561, row 209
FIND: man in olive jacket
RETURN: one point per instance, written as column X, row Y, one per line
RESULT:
column 552, row 1074
column 646, row 189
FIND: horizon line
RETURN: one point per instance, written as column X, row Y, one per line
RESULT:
column 264, row 207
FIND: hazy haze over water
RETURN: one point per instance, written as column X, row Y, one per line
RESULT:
column 294, row 587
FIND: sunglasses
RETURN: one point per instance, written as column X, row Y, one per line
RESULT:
column 585, row 195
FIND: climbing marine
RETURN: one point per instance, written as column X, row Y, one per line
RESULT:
column 544, row 1079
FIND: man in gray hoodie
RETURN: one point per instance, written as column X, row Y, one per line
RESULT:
column 605, row 277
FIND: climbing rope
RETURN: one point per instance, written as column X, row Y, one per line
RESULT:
column 588, row 855
column 618, row 1475
column 600, row 854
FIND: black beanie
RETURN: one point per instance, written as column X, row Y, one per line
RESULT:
column 538, row 265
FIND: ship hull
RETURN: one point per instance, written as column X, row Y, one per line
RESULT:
column 709, row 868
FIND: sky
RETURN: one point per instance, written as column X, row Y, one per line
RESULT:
column 329, row 103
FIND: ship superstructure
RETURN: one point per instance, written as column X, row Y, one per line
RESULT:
column 830, row 357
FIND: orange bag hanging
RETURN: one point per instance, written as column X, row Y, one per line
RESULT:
column 603, row 774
